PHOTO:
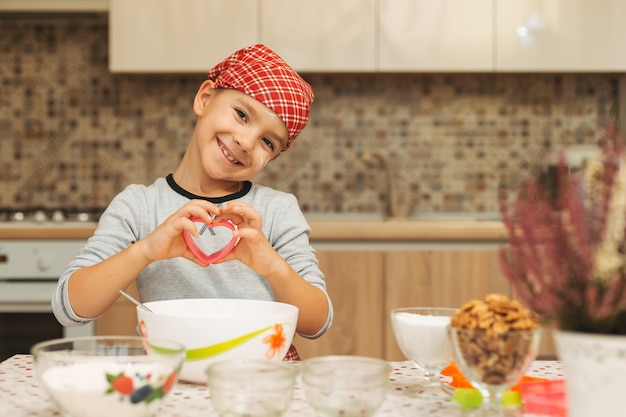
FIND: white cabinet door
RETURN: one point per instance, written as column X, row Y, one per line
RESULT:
column 321, row 35
column 178, row 35
column 561, row 35
column 436, row 35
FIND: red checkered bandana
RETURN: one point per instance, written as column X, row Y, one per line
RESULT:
column 259, row 72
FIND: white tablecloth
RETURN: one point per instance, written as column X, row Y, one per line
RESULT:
column 21, row 395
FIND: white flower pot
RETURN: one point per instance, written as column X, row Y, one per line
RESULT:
column 594, row 366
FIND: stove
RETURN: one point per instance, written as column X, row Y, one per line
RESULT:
column 40, row 215
column 30, row 266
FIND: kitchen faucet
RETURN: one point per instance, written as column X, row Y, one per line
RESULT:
column 397, row 204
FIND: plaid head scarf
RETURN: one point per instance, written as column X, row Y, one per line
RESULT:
column 262, row 74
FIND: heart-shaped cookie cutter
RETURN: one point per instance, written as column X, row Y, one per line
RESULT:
column 217, row 255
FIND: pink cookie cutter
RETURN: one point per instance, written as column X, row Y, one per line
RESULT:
column 208, row 259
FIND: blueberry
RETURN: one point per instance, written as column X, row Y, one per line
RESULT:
column 140, row 394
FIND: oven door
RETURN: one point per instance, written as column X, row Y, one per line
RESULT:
column 26, row 317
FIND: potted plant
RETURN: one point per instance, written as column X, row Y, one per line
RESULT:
column 566, row 260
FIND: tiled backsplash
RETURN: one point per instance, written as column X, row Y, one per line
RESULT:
column 73, row 135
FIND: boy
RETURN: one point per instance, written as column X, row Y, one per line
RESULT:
column 249, row 110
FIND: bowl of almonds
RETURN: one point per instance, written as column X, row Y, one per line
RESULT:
column 494, row 342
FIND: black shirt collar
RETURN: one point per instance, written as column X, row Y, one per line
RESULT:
column 247, row 185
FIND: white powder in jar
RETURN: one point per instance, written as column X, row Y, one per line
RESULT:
column 424, row 338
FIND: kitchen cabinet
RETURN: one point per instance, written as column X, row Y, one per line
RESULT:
column 560, row 35
column 354, row 279
column 445, row 277
column 502, row 35
column 321, row 35
column 164, row 36
column 367, row 281
column 54, row 5
column 368, row 35
column 121, row 318
column 442, row 35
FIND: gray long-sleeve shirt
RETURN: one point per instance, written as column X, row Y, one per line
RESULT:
column 138, row 210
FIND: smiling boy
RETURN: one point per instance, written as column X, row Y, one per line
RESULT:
column 249, row 111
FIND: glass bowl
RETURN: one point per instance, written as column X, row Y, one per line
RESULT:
column 421, row 334
column 104, row 376
column 251, row 387
column 493, row 361
column 346, row 386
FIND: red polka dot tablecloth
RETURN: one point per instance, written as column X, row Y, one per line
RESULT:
column 22, row 396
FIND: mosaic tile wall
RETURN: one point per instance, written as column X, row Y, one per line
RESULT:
column 73, row 135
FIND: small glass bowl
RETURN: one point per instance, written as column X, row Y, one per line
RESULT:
column 347, row 386
column 421, row 334
column 251, row 387
column 104, row 376
column 493, row 361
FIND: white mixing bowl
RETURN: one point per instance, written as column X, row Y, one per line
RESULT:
column 218, row 329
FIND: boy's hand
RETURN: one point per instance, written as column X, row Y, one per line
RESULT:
column 167, row 241
column 253, row 248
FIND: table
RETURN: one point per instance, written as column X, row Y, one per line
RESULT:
column 21, row 395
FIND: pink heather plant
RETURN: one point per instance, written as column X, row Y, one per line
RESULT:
column 566, row 257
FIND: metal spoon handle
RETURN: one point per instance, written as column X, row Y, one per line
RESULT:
column 131, row 298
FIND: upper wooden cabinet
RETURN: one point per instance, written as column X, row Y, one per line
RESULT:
column 372, row 35
column 560, row 35
column 169, row 36
column 174, row 36
column 442, row 35
column 54, row 6
column 321, row 35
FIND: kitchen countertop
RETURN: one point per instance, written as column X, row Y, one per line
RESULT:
column 21, row 395
column 47, row 230
column 323, row 230
column 454, row 230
